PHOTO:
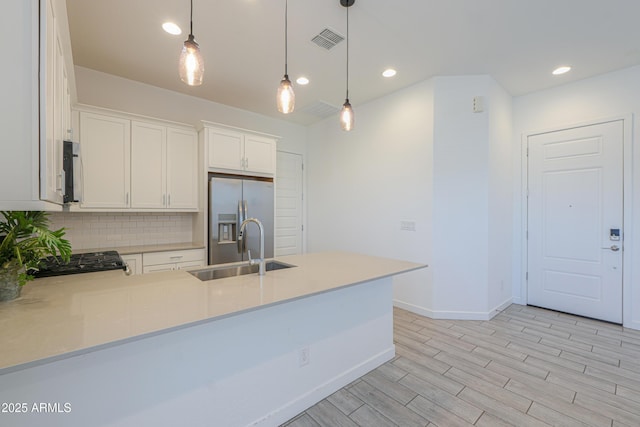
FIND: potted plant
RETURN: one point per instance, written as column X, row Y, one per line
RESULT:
column 25, row 238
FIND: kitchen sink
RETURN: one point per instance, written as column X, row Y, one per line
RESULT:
column 213, row 273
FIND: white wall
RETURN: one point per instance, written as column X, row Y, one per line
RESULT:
column 614, row 94
column 500, row 196
column 472, row 198
column 422, row 155
column 363, row 183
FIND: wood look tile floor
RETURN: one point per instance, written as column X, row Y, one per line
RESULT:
column 526, row 367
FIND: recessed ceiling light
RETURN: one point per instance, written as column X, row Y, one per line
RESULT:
column 302, row 81
column 171, row 28
column 389, row 72
column 561, row 70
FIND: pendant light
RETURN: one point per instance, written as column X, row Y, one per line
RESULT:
column 191, row 65
column 285, row 98
column 346, row 114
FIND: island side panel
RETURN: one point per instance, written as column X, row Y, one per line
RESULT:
column 237, row 371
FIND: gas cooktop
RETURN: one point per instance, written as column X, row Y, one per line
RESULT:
column 80, row 263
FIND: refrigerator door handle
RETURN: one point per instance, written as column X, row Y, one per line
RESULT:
column 239, row 238
column 245, row 216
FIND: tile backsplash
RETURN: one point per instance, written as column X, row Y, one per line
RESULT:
column 121, row 229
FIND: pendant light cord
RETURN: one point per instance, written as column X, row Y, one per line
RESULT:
column 347, row 52
column 286, row 36
column 191, row 20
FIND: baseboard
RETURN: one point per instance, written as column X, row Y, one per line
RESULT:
column 453, row 315
column 519, row 301
column 633, row 325
column 305, row 401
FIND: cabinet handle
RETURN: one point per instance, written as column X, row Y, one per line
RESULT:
column 126, row 202
column 60, row 182
column 246, row 163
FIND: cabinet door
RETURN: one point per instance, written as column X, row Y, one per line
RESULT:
column 51, row 154
column 226, row 149
column 148, row 165
column 260, row 154
column 182, row 169
column 134, row 261
column 105, row 144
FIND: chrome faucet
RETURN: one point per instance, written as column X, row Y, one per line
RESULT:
column 261, row 268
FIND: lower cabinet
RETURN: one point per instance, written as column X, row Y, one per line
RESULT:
column 172, row 260
column 134, row 262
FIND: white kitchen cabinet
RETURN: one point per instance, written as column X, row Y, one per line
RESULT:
column 156, row 165
column 164, row 167
column 36, row 89
column 172, row 260
column 182, row 169
column 55, row 103
column 134, row 261
column 148, row 165
column 105, row 150
column 237, row 150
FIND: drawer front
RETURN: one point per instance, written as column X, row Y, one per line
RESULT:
column 189, row 264
column 158, row 268
column 172, row 257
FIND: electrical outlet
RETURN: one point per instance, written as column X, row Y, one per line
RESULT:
column 408, row 225
column 304, row 356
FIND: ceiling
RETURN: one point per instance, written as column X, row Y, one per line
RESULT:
column 518, row 42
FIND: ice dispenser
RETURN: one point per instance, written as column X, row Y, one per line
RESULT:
column 226, row 228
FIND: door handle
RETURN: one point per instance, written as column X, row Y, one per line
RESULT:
column 614, row 248
column 238, row 226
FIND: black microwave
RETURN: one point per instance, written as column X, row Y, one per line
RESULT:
column 70, row 161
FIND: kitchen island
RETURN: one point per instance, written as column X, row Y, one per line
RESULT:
column 168, row 349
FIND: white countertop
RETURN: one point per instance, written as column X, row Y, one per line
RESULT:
column 57, row 317
column 142, row 249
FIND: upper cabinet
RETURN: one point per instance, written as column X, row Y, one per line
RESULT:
column 233, row 150
column 36, row 99
column 105, row 144
column 164, row 162
column 55, row 105
column 129, row 162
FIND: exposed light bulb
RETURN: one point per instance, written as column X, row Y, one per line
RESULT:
column 285, row 97
column 191, row 64
column 346, row 116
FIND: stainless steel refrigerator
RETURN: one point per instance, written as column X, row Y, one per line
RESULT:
column 231, row 201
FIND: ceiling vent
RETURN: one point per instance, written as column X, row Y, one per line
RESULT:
column 320, row 109
column 327, row 39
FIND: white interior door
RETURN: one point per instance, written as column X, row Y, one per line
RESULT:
column 575, row 220
column 288, row 204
